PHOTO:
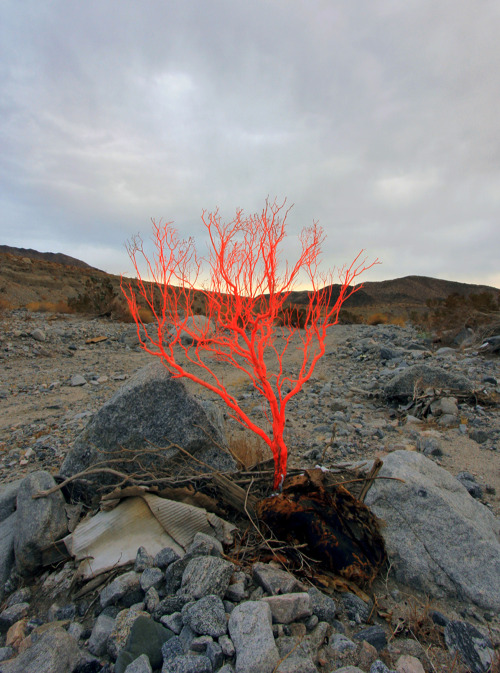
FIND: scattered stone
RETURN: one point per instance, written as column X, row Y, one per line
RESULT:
column 124, row 621
column 251, row 632
column 374, row 635
column 294, row 656
column 12, row 614
column 340, row 644
column 188, row 663
column 355, row 608
column 227, row 646
column 215, row 654
column 275, row 581
column 408, row 664
column 124, row 584
column 206, row 575
column 146, row 637
column 40, row 521
column 379, row 667
column 77, row 380
column 54, row 652
column 174, row 622
column 470, row 483
column 139, row 665
column 165, row 557
column 38, row 334
column 143, row 560
column 474, row 649
column 287, row 608
column 206, row 616
column 151, row 578
column 402, row 386
column 98, row 641
column 322, row 606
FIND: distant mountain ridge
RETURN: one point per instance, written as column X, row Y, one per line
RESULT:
column 57, row 257
column 409, row 291
column 58, row 277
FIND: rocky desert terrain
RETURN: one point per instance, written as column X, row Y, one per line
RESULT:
column 429, row 411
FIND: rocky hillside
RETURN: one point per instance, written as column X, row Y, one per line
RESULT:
column 30, row 278
column 57, row 257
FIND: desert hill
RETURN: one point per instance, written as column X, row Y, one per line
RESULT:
column 57, row 257
column 29, row 278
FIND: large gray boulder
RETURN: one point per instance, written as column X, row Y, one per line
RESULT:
column 418, row 377
column 39, row 521
column 152, row 409
column 439, row 539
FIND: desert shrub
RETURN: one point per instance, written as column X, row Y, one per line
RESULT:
column 349, row 318
column 398, row 320
column 5, row 305
column 120, row 312
column 97, row 298
column 49, row 307
column 377, row 319
column 484, row 301
column 293, row 315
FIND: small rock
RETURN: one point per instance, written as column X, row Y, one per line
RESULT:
column 146, row 637
column 374, row 635
column 38, row 334
column 13, row 614
column 140, row 665
column 474, row 649
column 171, row 649
column 173, row 622
column 275, row 581
column 122, row 629
column 165, row 557
column 251, row 632
column 151, row 577
column 215, row 654
column 408, row 664
column 206, row 616
column 118, row 588
column 143, row 560
column 54, row 652
column 355, row 608
column 227, row 646
column 379, row 667
column 286, row 608
column 322, row 606
column 77, row 380
column 188, row 663
column 206, row 575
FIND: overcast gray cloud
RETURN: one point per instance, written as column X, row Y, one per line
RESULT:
column 378, row 119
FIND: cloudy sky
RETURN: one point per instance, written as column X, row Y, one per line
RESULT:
column 379, row 119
